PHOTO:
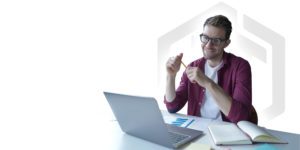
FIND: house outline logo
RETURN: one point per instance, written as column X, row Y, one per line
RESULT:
column 252, row 48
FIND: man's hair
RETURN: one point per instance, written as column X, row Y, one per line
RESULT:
column 220, row 21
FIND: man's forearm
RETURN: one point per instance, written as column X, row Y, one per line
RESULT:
column 170, row 88
column 223, row 100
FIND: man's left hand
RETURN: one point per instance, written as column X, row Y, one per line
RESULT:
column 195, row 75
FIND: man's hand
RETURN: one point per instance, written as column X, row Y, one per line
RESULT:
column 195, row 75
column 173, row 64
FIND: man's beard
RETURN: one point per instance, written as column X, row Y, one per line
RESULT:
column 210, row 54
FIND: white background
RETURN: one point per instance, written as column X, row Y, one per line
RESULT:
column 57, row 57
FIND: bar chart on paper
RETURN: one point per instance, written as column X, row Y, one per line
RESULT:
column 179, row 121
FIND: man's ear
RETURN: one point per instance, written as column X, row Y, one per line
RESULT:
column 227, row 43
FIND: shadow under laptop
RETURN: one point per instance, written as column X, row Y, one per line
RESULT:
column 134, row 143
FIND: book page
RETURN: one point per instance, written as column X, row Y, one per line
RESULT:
column 256, row 133
column 228, row 134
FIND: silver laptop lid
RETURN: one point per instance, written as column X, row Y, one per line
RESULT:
column 140, row 117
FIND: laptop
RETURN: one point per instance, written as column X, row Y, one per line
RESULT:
column 140, row 117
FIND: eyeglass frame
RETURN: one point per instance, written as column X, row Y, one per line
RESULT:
column 212, row 40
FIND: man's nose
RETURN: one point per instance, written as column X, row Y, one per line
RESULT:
column 209, row 44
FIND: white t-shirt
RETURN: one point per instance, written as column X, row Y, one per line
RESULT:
column 209, row 108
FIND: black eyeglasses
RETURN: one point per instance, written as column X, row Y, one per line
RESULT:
column 215, row 41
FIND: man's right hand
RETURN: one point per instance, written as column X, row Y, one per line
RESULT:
column 173, row 64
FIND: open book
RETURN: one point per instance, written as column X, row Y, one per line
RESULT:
column 244, row 132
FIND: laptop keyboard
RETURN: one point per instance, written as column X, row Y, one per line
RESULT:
column 177, row 137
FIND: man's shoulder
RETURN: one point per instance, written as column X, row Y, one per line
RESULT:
column 234, row 62
column 233, row 59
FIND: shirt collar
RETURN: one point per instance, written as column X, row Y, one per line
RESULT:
column 225, row 58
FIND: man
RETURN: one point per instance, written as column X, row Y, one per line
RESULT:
column 216, row 86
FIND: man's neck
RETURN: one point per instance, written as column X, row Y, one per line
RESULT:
column 215, row 61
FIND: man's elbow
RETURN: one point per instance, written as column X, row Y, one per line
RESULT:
column 172, row 110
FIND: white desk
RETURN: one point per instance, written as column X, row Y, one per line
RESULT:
column 118, row 140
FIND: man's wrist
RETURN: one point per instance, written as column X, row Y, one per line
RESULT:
column 171, row 77
column 208, row 84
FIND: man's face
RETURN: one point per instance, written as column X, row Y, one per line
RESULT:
column 215, row 42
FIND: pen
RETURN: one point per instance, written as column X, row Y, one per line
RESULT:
column 189, row 123
column 183, row 64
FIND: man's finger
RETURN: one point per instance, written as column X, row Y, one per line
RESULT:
column 180, row 55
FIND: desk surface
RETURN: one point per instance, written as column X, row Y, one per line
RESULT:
column 118, row 140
